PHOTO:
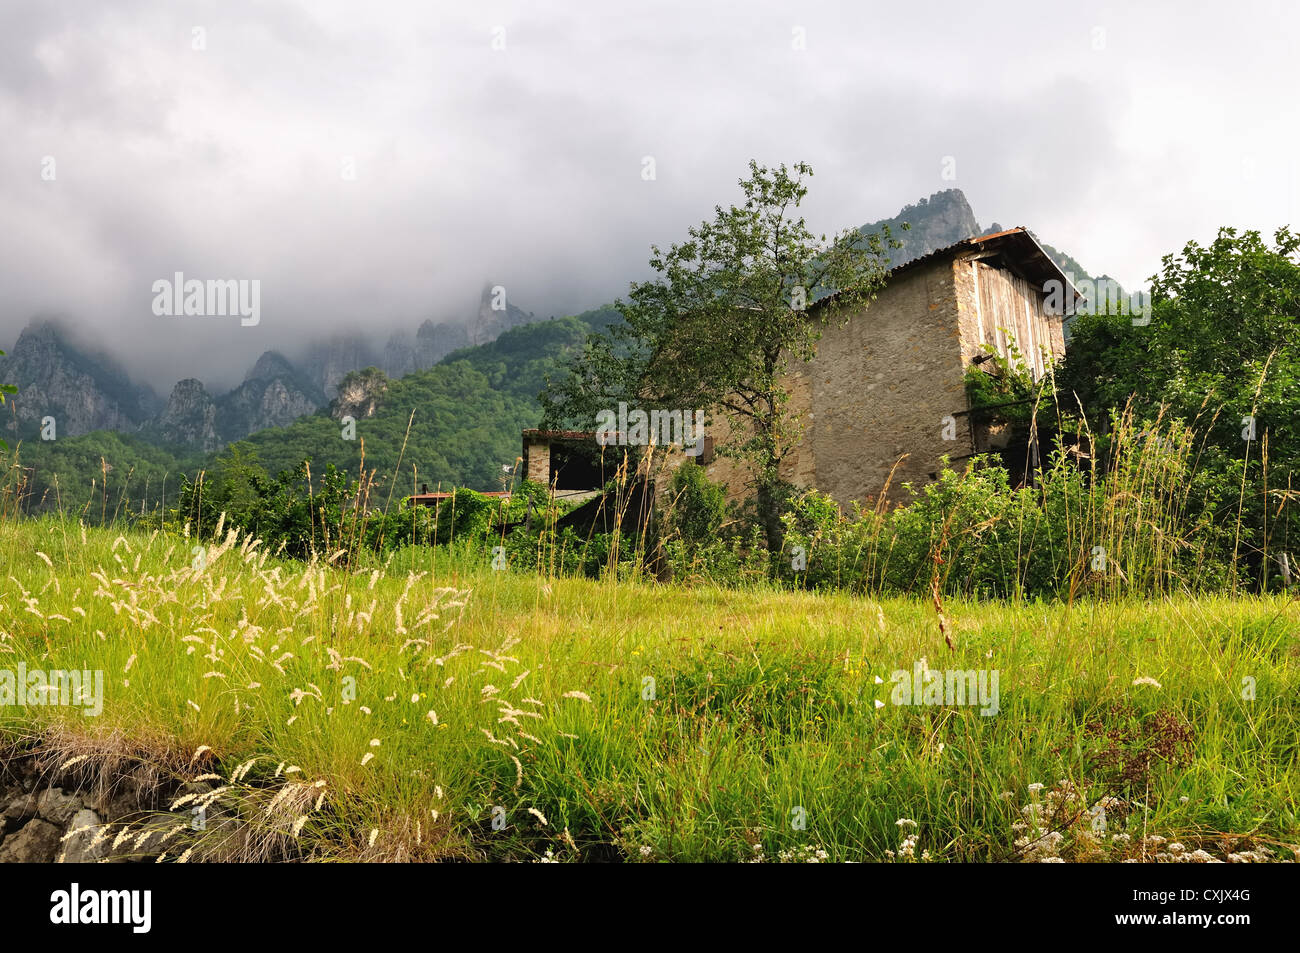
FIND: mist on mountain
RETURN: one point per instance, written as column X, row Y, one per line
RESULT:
column 60, row 373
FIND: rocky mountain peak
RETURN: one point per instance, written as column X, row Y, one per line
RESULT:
column 82, row 388
column 327, row 361
column 189, row 418
column 270, row 365
column 360, row 393
column 938, row 221
column 496, row 315
column 432, row 342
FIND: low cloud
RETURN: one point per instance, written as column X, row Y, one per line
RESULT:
column 376, row 166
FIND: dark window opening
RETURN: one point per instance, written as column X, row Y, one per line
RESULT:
column 572, row 469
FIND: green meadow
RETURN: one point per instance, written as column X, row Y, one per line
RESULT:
column 425, row 706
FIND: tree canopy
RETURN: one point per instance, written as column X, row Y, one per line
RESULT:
column 718, row 327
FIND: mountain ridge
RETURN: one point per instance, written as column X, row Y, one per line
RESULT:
column 86, row 390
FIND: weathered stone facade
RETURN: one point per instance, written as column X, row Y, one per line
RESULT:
column 885, row 399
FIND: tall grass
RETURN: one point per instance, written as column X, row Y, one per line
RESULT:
column 649, row 721
column 1138, row 522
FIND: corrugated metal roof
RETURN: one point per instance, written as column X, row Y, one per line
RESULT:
column 1005, row 231
column 447, row 494
column 561, row 434
column 1021, row 252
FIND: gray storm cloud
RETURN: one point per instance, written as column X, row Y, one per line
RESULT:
column 375, row 165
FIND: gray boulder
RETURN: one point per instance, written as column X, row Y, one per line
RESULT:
column 57, row 806
column 20, row 809
column 36, row 843
column 77, row 848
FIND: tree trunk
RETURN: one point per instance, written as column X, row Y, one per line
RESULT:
column 769, row 475
column 769, row 498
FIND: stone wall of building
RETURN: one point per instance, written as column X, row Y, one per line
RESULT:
column 537, row 460
column 874, row 398
column 883, row 383
column 798, row 467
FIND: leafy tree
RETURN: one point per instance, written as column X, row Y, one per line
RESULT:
column 1222, row 354
column 698, row 506
column 1219, row 315
column 239, row 481
column 718, row 328
column 1105, row 361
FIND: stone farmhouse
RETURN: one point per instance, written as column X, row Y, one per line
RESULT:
column 884, row 399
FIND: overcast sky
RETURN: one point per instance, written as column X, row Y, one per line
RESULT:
column 1117, row 131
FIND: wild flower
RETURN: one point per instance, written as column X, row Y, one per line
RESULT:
column 1036, row 848
column 1248, row 857
column 803, row 854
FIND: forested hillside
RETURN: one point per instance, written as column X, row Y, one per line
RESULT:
column 468, row 412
